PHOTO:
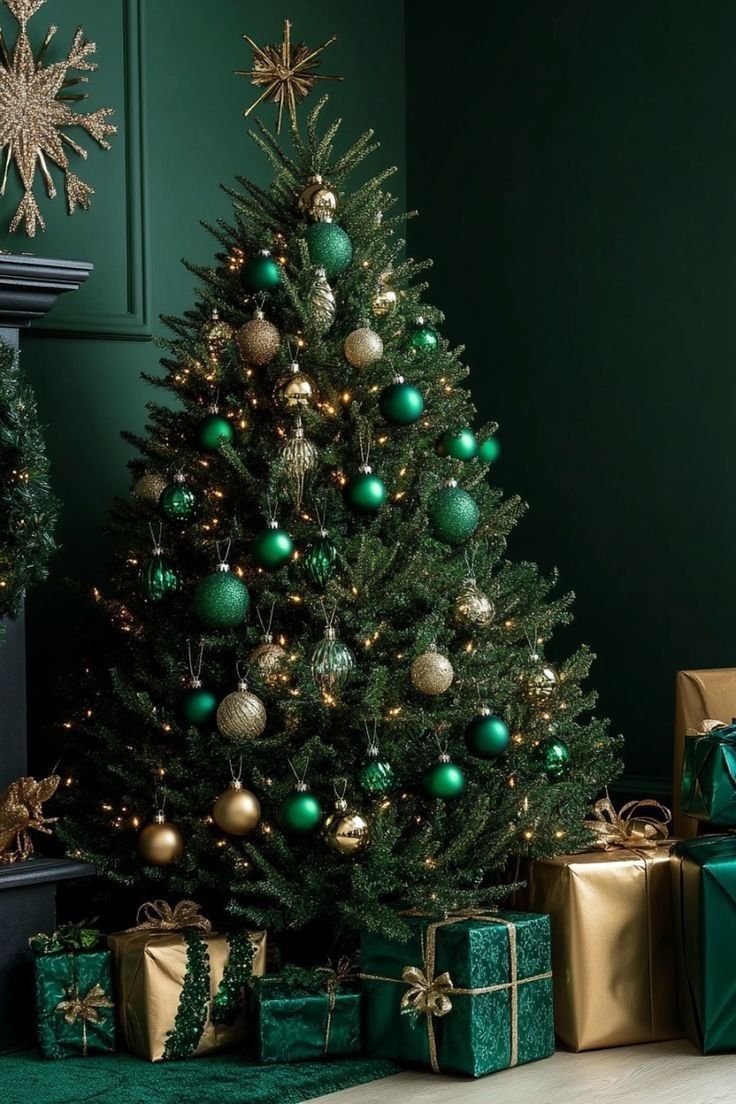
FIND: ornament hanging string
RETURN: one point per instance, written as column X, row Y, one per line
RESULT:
column 224, row 559
column 156, row 540
column 266, row 628
column 196, row 675
column 299, row 778
column 236, row 777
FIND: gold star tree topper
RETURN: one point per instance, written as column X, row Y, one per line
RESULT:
column 285, row 72
column 34, row 109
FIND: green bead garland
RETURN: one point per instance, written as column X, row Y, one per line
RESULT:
column 237, row 974
column 191, row 1015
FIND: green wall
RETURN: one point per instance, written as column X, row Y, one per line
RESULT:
column 167, row 67
column 574, row 165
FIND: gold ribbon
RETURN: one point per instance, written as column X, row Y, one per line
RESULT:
column 335, row 978
column 626, row 828
column 86, row 1008
column 160, row 916
column 707, row 726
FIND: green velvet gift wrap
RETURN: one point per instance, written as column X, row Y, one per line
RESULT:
column 75, row 1012
column 709, row 776
column 464, row 994
column 704, row 897
column 295, row 1025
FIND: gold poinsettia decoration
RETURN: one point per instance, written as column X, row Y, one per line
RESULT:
column 20, row 810
column 35, row 110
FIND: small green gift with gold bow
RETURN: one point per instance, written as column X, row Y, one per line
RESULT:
column 308, row 1014
column 75, row 1011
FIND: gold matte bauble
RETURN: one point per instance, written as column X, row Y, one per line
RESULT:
column 241, row 715
column 161, row 842
column 318, row 201
column 295, row 390
column 347, row 832
column 148, row 489
column 542, row 681
column 258, row 341
column 363, row 347
column 269, row 660
column 473, row 607
column 216, row 334
column 431, row 672
column 237, row 810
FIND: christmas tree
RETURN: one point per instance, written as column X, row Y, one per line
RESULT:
column 328, row 690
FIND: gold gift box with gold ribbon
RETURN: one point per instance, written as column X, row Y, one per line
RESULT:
column 612, row 941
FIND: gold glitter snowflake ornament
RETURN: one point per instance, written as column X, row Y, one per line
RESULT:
column 34, row 109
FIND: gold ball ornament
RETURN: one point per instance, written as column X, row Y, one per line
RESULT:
column 160, row 842
column 241, row 715
column 148, row 489
column 237, row 810
column 385, row 299
column 431, row 672
column 258, row 341
column 269, row 660
column 542, row 681
column 363, row 347
column 216, row 334
column 472, row 606
column 346, row 831
column 295, row 389
column 318, row 200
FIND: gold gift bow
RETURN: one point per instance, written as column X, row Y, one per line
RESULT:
column 159, row 916
column 707, row 726
column 429, row 994
column 624, row 829
column 86, row 1008
column 335, row 978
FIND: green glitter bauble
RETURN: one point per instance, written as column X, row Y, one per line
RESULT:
column 365, row 493
column 376, row 777
column 158, row 577
column 319, row 562
column 487, row 736
column 213, row 431
column 453, row 515
column 401, row 404
column 221, row 600
column 459, row 444
column 272, row 548
column 444, row 780
column 261, row 273
column 301, row 812
column 489, row 450
column 423, row 339
column 329, row 247
column 556, row 758
column 178, row 501
column 198, row 705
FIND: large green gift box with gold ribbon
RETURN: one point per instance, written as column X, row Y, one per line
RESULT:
column 295, row 1025
column 464, row 994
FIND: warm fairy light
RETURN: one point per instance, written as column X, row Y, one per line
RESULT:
column 160, row 771
column 346, row 397
column 294, row 692
column 354, row 589
column 239, row 572
column 528, row 834
column 296, row 598
column 399, row 495
column 395, row 711
column 559, row 834
column 106, row 808
column 525, row 805
column 268, row 781
column 68, row 781
column 95, row 594
column 166, row 727
column 366, row 263
column 402, row 473
column 430, row 864
column 266, row 829
column 328, row 699
column 296, row 554
column 518, row 738
column 470, row 647
column 367, row 642
column 67, row 724
column 373, row 391
column 417, row 819
column 217, row 493
column 221, row 843
column 135, row 822
column 512, row 781
column 400, row 655
column 207, row 820
column 508, row 624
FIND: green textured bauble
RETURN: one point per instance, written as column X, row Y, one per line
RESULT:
column 198, row 706
column 221, row 600
column 301, row 812
column 444, row 780
column 213, row 431
column 329, row 247
column 376, row 777
column 460, row 444
column 320, row 561
column 424, row 339
column 365, row 493
column 261, row 273
column 272, row 548
column 401, row 403
column 489, row 450
column 177, row 502
column 487, row 736
column 556, row 758
column 453, row 515
column 158, row 577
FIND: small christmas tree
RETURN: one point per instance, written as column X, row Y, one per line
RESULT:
column 329, row 692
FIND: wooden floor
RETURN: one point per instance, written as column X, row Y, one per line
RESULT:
column 660, row 1073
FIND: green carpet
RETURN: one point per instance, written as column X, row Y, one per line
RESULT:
column 221, row 1079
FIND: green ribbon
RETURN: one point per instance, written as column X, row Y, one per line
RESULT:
column 81, row 936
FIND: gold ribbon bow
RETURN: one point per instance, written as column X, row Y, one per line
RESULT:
column 160, row 916
column 627, row 828
column 335, row 978
column 86, row 1008
column 423, row 995
column 707, row 726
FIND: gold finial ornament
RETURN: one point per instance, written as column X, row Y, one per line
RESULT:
column 286, row 73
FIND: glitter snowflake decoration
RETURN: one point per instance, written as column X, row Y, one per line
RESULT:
column 35, row 109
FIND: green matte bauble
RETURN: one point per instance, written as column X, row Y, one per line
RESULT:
column 423, row 338
column 272, row 548
column 158, row 577
column 301, row 812
column 556, row 758
column 376, row 777
column 444, row 779
column 148, row 489
column 178, row 501
column 213, row 431
column 221, row 600
column 320, row 561
column 453, row 514
column 460, row 444
column 363, row 347
column 261, row 272
column 198, row 706
column 487, row 735
column 489, row 450
column 329, row 247
column 365, row 493
column 401, row 403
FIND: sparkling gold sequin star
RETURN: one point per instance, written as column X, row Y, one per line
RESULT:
column 34, row 107
column 285, row 72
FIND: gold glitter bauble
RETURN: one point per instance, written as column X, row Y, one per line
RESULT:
column 363, row 347
column 384, row 302
column 269, row 659
column 148, row 488
column 216, row 334
column 347, row 832
column 161, row 842
column 237, row 811
column 258, row 341
column 318, row 201
column 542, row 682
column 472, row 607
column 241, row 715
column 431, row 672
column 322, row 302
column 296, row 389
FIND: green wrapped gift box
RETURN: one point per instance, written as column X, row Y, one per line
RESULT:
column 709, row 776
column 704, row 896
column 75, row 1012
column 295, row 1025
column 465, row 994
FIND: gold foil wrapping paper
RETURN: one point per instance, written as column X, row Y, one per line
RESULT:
column 149, row 968
column 699, row 695
column 612, row 945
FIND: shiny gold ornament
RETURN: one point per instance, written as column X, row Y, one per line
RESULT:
column 472, row 606
column 148, row 489
column 299, row 458
column 296, row 389
column 385, row 299
column 258, row 341
column 20, row 811
column 216, row 334
column 318, row 201
column 322, row 301
column 346, row 830
column 363, row 347
column 35, row 106
column 285, row 72
column 542, row 680
column 269, row 659
column 237, row 810
column 241, row 715
column 431, row 672
column 160, row 842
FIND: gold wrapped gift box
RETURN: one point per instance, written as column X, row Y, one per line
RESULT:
column 699, row 696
